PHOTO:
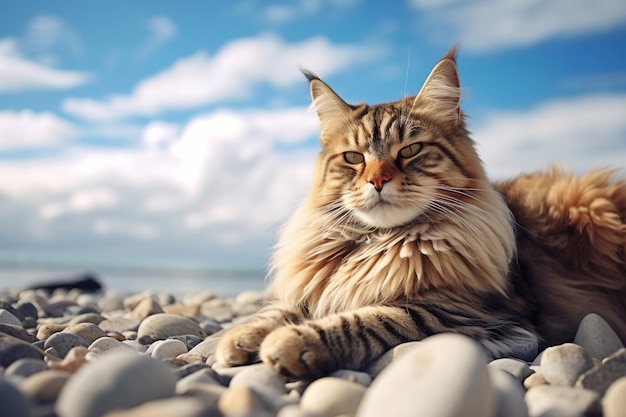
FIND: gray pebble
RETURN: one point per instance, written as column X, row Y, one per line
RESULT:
column 7, row 317
column 161, row 326
column 28, row 309
column 18, row 332
column 119, row 324
column 202, row 377
column 12, row 350
column 509, row 394
column 62, row 343
column 45, row 386
column 178, row 406
column 563, row 364
column 260, row 376
column 597, row 337
column 167, row 349
column 13, row 401
column 548, row 400
column 517, row 368
column 119, row 380
column 601, row 377
column 23, row 368
column 94, row 318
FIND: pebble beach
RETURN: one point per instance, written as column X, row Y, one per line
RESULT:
column 109, row 353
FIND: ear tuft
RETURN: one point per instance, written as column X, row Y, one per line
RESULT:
column 441, row 93
column 330, row 108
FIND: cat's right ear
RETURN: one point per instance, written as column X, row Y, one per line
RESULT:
column 331, row 109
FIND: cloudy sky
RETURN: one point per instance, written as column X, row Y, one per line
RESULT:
column 161, row 130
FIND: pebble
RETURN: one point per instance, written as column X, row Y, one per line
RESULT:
column 548, row 400
column 62, row 343
column 7, row 317
column 563, row 364
column 332, row 396
column 45, row 386
column 446, row 375
column 601, row 377
column 614, row 402
column 119, row 380
column 451, row 374
column 597, row 337
column 14, row 403
column 167, row 349
column 162, row 326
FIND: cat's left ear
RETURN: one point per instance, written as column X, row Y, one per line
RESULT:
column 441, row 93
column 331, row 109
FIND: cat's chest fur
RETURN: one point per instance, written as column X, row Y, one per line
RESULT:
column 330, row 270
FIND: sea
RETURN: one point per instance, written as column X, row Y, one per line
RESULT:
column 177, row 278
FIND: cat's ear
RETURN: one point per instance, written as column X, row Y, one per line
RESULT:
column 441, row 93
column 331, row 109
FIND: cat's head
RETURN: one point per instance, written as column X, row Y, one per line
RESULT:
column 392, row 164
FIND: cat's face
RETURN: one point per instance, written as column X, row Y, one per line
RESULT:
column 391, row 164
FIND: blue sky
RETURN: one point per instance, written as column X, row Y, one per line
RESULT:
column 182, row 131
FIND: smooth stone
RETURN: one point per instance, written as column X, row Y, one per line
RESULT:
column 94, row 318
column 210, row 395
column 245, row 401
column 179, row 407
column 119, row 324
column 48, row 329
column 510, row 394
column 74, row 359
column 13, row 349
column 563, row 364
column 362, row 378
column 132, row 301
column 515, row 367
column 189, row 340
column 14, row 403
column 597, row 337
column 182, row 310
column 23, row 368
column 161, row 326
column 27, row 309
column 206, row 348
column 45, row 386
column 112, row 300
column 332, row 396
column 107, row 344
column 119, row 380
column 89, row 332
column 210, row 326
column 562, row 401
column 203, row 377
column 18, row 332
column 377, row 366
column 191, row 368
column 446, row 375
column 601, row 377
column 260, row 376
column 8, row 318
column 167, row 349
column 614, row 401
column 146, row 307
column 62, row 342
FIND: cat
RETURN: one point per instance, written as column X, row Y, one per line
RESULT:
column 403, row 236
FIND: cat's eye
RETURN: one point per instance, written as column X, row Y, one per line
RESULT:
column 354, row 158
column 411, row 150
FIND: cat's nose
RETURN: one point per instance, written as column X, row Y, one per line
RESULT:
column 379, row 182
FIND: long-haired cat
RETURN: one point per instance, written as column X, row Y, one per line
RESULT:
column 403, row 236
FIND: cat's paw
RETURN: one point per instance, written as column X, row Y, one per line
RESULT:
column 295, row 351
column 239, row 345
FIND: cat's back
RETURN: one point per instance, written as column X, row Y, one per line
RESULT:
column 571, row 234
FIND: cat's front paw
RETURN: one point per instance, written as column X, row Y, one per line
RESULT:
column 239, row 345
column 296, row 351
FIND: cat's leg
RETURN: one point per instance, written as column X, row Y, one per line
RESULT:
column 240, row 344
column 348, row 340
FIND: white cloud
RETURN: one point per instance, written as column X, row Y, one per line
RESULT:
column 18, row 73
column 579, row 134
column 225, row 177
column 162, row 29
column 484, row 25
column 231, row 74
column 27, row 129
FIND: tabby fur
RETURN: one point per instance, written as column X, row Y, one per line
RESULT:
column 402, row 236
